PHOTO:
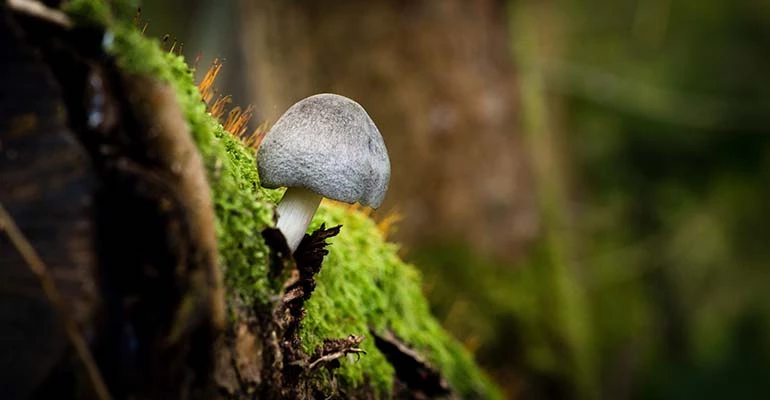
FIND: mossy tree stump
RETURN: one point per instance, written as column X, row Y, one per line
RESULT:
column 130, row 215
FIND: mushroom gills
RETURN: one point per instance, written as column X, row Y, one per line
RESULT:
column 295, row 211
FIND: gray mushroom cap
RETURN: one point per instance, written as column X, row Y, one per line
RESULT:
column 328, row 144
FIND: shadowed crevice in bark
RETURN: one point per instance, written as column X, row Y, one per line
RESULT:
column 415, row 377
column 309, row 258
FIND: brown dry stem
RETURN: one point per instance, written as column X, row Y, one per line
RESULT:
column 334, row 349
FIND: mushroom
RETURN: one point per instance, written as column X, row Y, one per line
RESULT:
column 325, row 145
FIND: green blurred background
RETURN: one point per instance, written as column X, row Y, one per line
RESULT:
column 583, row 183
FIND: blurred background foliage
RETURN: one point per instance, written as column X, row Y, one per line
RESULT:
column 583, row 183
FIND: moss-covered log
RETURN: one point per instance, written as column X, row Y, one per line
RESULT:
column 151, row 221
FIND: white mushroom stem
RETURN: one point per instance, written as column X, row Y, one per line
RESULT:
column 295, row 210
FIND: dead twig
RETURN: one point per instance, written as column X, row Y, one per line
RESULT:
column 36, row 265
column 331, row 357
column 334, row 349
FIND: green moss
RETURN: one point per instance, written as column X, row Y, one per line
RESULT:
column 98, row 12
column 363, row 283
column 243, row 208
column 88, row 11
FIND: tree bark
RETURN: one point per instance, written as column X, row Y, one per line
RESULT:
column 108, row 204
